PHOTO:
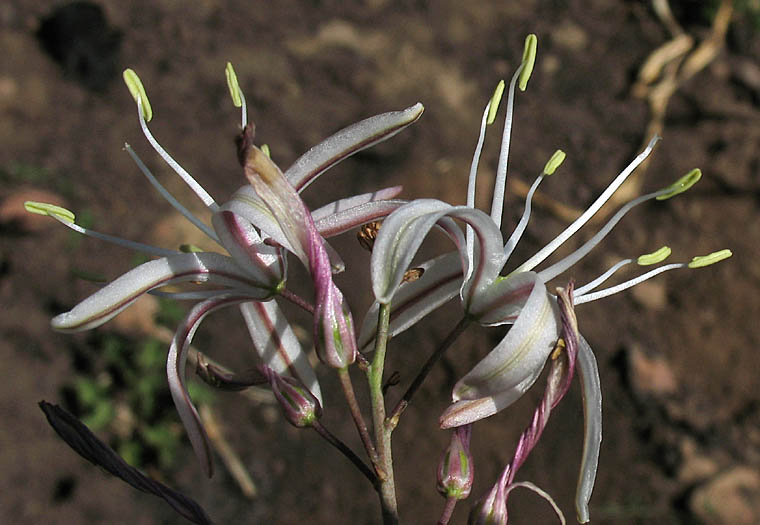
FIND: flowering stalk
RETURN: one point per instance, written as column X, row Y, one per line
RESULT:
column 382, row 429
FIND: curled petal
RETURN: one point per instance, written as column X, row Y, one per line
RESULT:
column 348, row 141
column 592, row 438
column 511, row 368
column 405, row 229
column 520, row 353
column 277, row 344
column 503, row 301
column 470, row 410
column 440, row 282
column 120, row 293
column 243, row 242
column 175, row 371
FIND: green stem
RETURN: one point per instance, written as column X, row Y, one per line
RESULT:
column 382, row 431
column 361, row 426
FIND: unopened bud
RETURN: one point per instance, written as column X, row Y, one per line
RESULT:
column 299, row 405
column 335, row 341
column 455, row 470
column 492, row 508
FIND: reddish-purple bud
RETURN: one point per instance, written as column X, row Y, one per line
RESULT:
column 299, row 405
column 492, row 508
column 455, row 470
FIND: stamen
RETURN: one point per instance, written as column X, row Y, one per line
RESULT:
column 173, row 164
column 707, row 260
column 169, row 197
column 522, row 75
column 474, row 166
column 583, row 219
column 500, row 184
column 50, row 210
column 528, row 61
column 66, row 218
column 680, row 186
column 655, row 257
column 238, row 99
column 551, row 166
column 627, row 284
column 135, row 86
column 599, row 280
column 562, row 265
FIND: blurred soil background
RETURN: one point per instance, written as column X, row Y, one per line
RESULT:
column 678, row 354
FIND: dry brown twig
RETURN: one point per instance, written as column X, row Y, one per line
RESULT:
column 665, row 71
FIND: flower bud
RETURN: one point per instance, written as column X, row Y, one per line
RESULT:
column 299, row 405
column 334, row 339
column 455, row 471
column 492, row 508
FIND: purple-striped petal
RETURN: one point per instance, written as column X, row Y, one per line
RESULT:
column 344, row 220
column 334, row 336
column 120, row 293
column 263, row 262
column 404, row 230
column 440, row 282
column 342, row 205
column 175, row 371
column 277, row 344
column 520, row 354
column 348, row 141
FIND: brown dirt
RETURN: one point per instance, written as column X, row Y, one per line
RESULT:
column 308, row 69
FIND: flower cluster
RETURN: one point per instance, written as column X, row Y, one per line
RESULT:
column 266, row 219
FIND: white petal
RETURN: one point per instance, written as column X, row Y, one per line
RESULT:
column 238, row 236
column 592, row 438
column 175, row 372
column 120, row 293
column 440, row 282
column 520, row 354
column 348, row 141
column 278, row 345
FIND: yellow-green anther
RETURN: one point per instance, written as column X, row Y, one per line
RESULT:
column 654, row 257
column 189, row 248
column 493, row 107
column 528, row 61
column 265, row 150
column 554, row 162
column 682, row 184
column 51, row 210
column 232, row 83
column 707, row 260
column 135, row 86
